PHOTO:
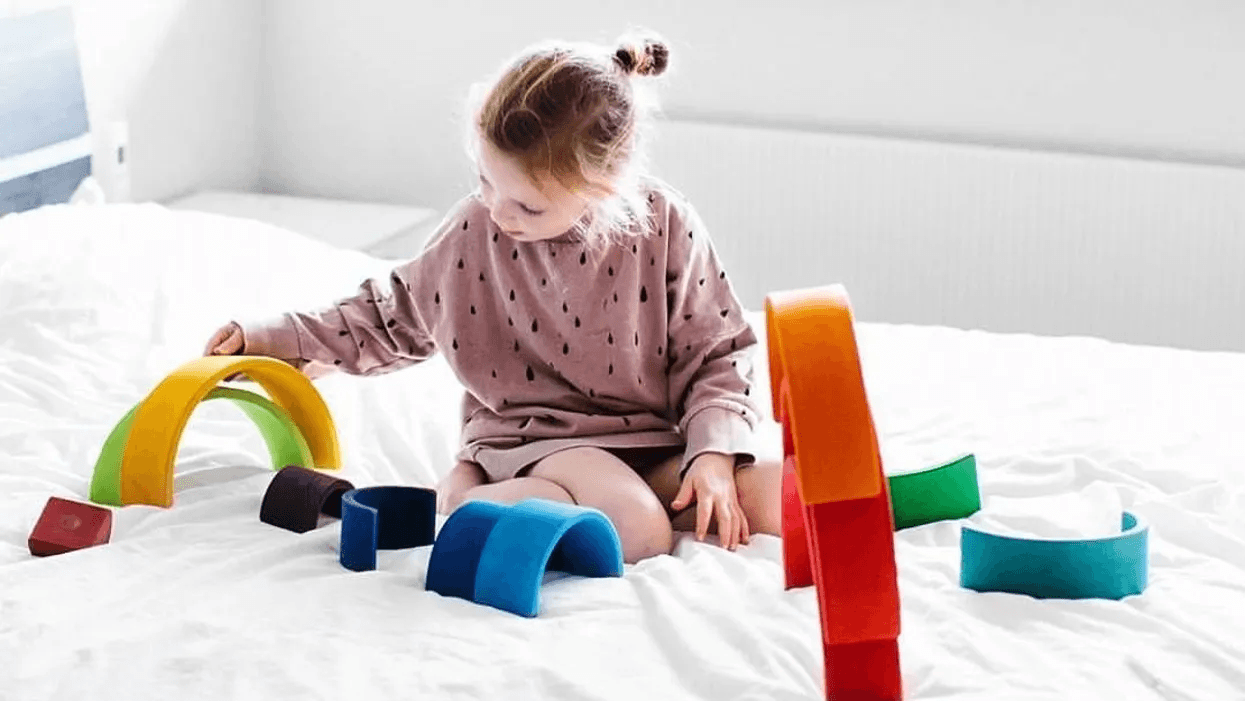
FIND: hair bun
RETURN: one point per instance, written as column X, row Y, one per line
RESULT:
column 646, row 56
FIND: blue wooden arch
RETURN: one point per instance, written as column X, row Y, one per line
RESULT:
column 497, row 555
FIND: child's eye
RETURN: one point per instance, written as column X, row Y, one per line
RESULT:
column 530, row 211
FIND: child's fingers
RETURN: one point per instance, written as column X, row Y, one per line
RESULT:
column 214, row 342
column 745, row 533
column 728, row 527
column 732, row 528
column 704, row 515
column 226, row 341
column 683, row 498
column 232, row 343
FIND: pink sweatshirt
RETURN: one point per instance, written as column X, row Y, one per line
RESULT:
column 637, row 342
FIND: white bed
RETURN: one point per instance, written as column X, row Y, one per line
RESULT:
column 203, row 601
column 98, row 303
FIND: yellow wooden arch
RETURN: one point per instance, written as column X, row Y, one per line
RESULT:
column 150, row 453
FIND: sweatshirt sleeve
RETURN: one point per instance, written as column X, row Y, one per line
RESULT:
column 711, row 343
column 381, row 328
column 375, row 331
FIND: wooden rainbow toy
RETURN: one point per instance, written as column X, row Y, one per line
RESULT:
column 136, row 463
column 837, row 522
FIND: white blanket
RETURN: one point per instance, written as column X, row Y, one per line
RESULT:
column 202, row 601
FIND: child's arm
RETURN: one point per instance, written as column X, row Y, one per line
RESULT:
column 386, row 326
column 711, row 345
column 376, row 331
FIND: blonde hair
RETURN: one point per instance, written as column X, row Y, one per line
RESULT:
column 572, row 111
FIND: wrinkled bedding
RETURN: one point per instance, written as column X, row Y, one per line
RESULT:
column 98, row 303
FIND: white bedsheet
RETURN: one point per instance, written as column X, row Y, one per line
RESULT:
column 203, row 601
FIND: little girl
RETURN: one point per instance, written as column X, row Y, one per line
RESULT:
column 605, row 356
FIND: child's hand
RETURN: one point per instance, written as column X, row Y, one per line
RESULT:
column 710, row 481
column 226, row 341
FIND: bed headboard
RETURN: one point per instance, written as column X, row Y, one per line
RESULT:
column 45, row 141
column 973, row 237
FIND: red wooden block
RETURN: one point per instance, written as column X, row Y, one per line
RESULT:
column 69, row 525
column 797, row 567
column 866, row 671
column 847, row 550
column 850, row 551
column 853, row 557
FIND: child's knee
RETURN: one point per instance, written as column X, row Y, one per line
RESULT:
column 643, row 527
column 452, row 490
column 595, row 478
column 449, row 499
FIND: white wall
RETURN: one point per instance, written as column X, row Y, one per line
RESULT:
column 973, row 236
column 362, row 99
column 183, row 74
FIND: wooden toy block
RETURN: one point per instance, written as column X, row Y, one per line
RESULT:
column 68, row 525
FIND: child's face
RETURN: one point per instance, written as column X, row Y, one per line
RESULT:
column 523, row 208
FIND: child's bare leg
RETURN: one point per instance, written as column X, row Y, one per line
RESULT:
column 663, row 479
column 596, row 478
column 456, row 483
column 517, row 489
column 760, row 496
column 469, row 481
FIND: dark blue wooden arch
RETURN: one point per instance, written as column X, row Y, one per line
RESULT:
column 384, row 518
